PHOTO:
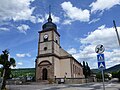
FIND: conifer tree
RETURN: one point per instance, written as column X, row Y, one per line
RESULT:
column 86, row 69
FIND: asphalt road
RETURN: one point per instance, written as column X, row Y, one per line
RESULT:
column 90, row 86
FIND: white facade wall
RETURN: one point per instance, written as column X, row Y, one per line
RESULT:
column 46, row 44
column 65, row 68
column 57, row 67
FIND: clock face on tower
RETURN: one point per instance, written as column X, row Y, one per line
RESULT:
column 45, row 37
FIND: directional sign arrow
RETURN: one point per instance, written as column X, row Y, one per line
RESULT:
column 101, row 65
column 100, row 57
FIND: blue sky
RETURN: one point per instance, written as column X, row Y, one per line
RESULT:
column 82, row 24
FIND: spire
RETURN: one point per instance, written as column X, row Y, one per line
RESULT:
column 49, row 25
column 49, row 18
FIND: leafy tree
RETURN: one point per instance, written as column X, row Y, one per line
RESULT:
column 118, row 75
column 6, row 66
column 98, row 76
column 114, row 74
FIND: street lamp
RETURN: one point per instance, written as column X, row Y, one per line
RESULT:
column 116, row 32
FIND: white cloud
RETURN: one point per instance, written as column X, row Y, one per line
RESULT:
column 40, row 20
column 101, row 5
column 13, row 67
column 21, row 55
column 102, row 35
column 20, row 63
column 28, row 55
column 101, row 27
column 74, row 13
column 23, row 28
column 94, row 20
column 54, row 18
column 4, row 29
column 67, row 22
column 72, row 51
column 16, row 10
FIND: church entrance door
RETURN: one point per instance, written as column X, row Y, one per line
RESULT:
column 44, row 72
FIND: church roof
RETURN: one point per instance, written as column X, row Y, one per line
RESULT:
column 64, row 53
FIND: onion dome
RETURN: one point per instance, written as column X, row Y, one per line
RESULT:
column 49, row 25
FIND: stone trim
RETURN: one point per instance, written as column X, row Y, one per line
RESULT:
column 71, row 65
column 38, row 45
column 72, row 78
column 60, row 57
column 35, row 68
column 44, row 64
column 50, row 41
column 52, row 54
column 52, row 71
column 49, row 30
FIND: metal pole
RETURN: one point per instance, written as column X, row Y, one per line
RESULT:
column 103, row 80
column 116, row 32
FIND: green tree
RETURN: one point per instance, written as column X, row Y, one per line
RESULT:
column 118, row 74
column 114, row 74
column 6, row 66
column 99, row 76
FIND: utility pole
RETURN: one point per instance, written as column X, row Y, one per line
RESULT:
column 116, row 32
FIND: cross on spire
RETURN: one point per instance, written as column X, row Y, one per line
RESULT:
column 49, row 18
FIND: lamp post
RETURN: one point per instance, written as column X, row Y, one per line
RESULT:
column 116, row 32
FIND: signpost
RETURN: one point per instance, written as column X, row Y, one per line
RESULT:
column 101, row 60
column 116, row 32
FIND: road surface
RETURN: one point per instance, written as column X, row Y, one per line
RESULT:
column 90, row 86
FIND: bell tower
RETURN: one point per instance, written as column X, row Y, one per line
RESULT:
column 48, row 50
column 49, row 38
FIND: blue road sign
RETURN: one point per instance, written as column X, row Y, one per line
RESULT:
column 100, row 57
column 101, row 65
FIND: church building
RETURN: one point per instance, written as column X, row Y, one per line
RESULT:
column 52, row 61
